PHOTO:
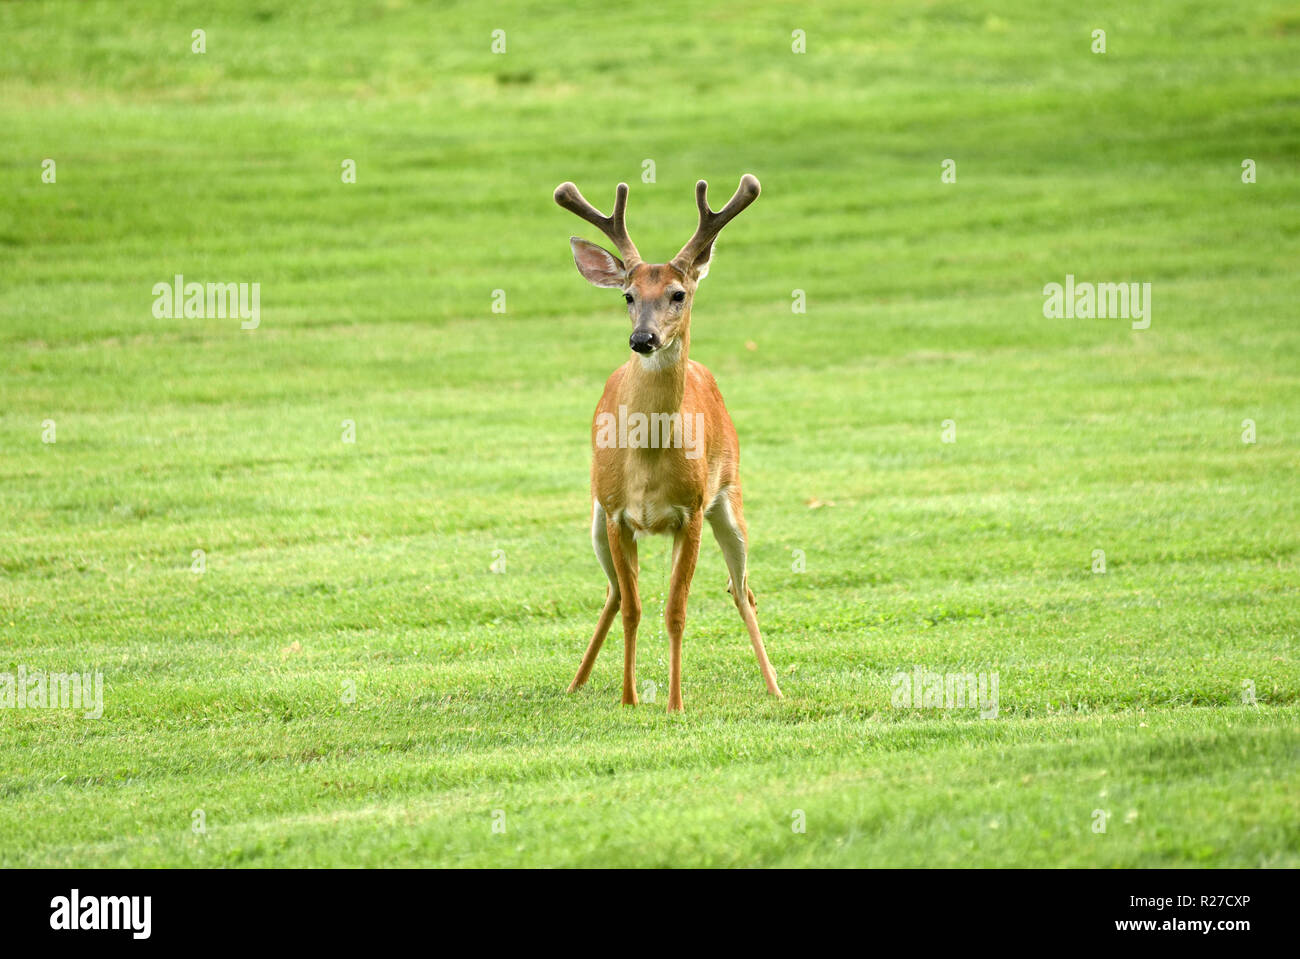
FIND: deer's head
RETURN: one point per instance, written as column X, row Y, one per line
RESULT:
column 658, row 295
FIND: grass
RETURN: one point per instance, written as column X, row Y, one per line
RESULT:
column 333, row 567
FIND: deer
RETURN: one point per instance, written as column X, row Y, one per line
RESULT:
column 686, row 471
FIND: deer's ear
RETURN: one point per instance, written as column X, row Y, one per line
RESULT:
column 700, row 265
column 598, row 265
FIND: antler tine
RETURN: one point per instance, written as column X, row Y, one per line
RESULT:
column 711, row 223
column 614, row 227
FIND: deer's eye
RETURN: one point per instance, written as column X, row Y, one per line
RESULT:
column 679, row 296
column 628, row 297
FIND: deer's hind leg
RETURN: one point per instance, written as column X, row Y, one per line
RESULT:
column 727, row 518
column 600, row 541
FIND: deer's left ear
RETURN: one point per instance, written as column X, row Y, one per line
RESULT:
column 701, row 267
column 598, row 265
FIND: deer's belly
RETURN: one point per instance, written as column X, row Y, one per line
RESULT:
column 649, row 517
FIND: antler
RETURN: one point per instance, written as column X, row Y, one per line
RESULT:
column 614, row 227
column 711, row 223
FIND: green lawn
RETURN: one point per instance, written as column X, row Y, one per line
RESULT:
column 349, row 682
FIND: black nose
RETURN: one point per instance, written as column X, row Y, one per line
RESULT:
column 643, row 341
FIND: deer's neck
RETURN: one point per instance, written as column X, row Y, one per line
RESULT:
column 657, row 383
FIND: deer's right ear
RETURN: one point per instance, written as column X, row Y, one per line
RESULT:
column 598, row 265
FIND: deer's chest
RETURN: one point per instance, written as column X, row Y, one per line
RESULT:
column 655, row 500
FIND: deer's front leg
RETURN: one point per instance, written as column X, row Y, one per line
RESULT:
column 623, row 548
column 686, row 550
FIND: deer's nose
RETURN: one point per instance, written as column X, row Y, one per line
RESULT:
column 643, row 341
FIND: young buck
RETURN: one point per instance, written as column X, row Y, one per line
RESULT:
column 685, row 468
